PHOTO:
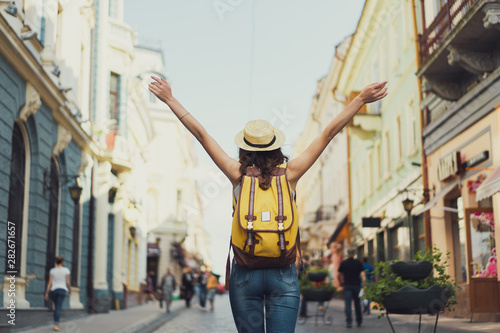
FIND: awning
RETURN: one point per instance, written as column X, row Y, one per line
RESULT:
column 490, row 186
column 340, row 232
column 437, row 197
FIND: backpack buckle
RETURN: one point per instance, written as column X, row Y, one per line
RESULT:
column 250, row 225
column 280, row 226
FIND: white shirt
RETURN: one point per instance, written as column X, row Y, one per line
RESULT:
column 59, row 278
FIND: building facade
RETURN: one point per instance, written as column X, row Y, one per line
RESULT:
column 323, row 191
column 45, row 149
column 459, row 53
column 384, row 147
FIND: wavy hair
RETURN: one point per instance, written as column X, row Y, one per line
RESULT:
column 265, row 161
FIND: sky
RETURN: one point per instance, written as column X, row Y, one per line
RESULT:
column 232, row 61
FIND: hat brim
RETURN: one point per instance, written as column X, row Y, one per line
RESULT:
column 280, row 140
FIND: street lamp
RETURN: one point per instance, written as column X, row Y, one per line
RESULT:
column 75, row 191
column 408, row 206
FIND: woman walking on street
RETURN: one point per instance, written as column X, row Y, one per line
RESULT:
column 57, row 288
column 168, row 286
column 273, row 287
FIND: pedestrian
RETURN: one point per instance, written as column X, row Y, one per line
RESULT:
column 369, row 277
column 168, row 286
column 187, row 286
column 200, row 285
column 351, row 270
column 149, row 288
column 273, row 287
column 212, row 284
column 57, row 288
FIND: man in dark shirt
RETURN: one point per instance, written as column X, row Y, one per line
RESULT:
column 351, row 270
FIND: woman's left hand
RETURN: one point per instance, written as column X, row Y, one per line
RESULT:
column 46, row 296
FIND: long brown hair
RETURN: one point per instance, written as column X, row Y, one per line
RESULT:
column 265, row 161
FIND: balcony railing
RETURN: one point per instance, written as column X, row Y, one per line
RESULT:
column 447, row 19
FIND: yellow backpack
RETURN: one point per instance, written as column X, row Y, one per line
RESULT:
column 265, row 230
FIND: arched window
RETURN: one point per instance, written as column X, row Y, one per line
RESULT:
column 16, row 202
column 54, row 184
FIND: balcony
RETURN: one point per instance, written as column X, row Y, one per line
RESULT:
column 458, row 46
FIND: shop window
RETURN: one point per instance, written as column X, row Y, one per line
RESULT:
column 483, row 249
column 360, row 252
column 398, row 243
column 459, row 247
column 371, row 252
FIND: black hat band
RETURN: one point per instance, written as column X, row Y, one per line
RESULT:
column 260, row 146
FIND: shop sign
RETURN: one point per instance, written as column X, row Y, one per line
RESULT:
column 449, row 166
column 478, row 159
column 371, row 222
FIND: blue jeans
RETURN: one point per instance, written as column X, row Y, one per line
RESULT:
column 276, row 289
column 57, row 296
column 350, row 293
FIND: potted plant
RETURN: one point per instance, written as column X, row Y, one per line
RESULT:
column 313, row 287
column 419, row 291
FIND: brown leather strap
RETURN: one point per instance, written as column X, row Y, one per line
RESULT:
column 228, row 266
column 297, row 242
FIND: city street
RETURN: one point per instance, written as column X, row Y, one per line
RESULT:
column 220, row 321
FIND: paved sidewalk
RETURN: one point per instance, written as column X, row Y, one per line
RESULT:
column 124, row 321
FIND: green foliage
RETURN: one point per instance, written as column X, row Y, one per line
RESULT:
column 388, row 281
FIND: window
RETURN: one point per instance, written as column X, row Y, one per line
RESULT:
column 114, row 88
column 16, row 197
column 113, row 9
column 378, row 164
column 387, row 154
column 371, row 253
column 360, row 252
column 399, row 140
column 380, row 247
column 369, row 173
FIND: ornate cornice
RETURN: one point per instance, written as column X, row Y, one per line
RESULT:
column 63, row 140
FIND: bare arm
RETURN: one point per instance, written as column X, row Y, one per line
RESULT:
column 298, row 166
column 226, row 164
column 69, row 284
column 48, row 288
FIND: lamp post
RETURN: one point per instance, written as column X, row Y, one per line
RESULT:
column 408, row 206
column 75, row 191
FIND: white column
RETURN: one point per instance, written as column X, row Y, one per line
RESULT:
column 101, row 227
column 118, row 247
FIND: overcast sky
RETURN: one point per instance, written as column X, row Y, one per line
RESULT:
column 231, row 61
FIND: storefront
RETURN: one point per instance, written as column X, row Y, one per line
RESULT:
column 460, row 224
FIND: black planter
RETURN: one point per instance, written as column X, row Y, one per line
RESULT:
column 317, row 276
column 317, row 295
column 412, row 270
column 411, row 300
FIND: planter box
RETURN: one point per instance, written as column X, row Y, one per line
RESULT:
column 411, row 300
column 412, row 270
column 317, row 276
column 317, row 295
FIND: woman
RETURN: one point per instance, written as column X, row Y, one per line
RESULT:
column 168, row 286
column 264, row 288
column 58, row 286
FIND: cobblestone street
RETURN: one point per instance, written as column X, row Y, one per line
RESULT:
column 221, row 321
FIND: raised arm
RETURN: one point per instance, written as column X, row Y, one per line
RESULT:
column 298, row 166
column 226, row 164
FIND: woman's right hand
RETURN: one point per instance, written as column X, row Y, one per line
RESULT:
column 46, row 296
column 373, row 92
column 161, row 89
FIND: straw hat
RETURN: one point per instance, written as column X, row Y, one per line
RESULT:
column 259, row 135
